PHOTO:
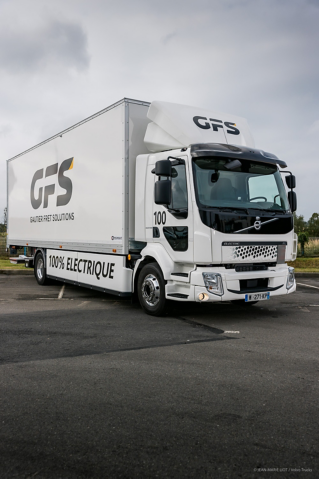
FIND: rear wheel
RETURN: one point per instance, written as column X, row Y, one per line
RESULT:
column 151, row 290
column 39, row 269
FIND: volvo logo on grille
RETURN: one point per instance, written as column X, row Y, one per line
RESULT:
column 257, row 224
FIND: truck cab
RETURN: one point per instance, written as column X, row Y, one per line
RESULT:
column 215, row 220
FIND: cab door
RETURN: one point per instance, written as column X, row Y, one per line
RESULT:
column 172, row 224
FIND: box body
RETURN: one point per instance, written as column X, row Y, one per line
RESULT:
column 76, row 190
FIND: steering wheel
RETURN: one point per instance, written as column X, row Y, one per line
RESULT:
column 256, row 198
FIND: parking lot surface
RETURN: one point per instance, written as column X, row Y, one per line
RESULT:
column 91, row 387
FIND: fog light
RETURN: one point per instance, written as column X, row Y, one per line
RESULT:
column 291, row 277
column 213, row 283
column 203, row 297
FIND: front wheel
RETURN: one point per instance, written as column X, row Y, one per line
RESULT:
column 39, row 269
column 151, row 290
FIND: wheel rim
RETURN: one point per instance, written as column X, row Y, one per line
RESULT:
column 40, row 268
column 151, row 290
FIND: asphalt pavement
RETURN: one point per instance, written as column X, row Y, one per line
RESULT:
column 91, row 387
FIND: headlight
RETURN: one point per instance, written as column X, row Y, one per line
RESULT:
column 213, row 283
column 291, row 277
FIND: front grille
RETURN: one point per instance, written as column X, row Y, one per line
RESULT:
column 239, row 268
column 247, row 285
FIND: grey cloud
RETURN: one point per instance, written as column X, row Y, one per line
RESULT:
column 56, row 43
column 167, row 38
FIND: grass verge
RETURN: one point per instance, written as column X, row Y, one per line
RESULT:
column 305, row 265
column 5, row 264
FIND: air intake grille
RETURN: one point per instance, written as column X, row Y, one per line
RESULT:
column 250, row 253
column 253, row 252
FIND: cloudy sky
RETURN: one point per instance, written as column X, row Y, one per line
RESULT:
column 63, row 60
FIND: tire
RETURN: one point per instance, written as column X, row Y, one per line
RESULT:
column 151, row 290
column 39, row 269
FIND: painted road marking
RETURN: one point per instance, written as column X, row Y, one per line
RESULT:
column 61, row 292
column 231, row 332
column 309, row 285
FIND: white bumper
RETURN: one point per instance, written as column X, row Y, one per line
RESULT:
column 275, row 279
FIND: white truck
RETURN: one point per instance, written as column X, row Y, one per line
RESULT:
column 166, row 201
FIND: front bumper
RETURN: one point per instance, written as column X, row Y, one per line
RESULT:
column 275, row 279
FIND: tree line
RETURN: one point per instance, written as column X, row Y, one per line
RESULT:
column 3, row 226
column 306, row 229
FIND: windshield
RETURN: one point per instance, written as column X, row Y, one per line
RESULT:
column 249, row 185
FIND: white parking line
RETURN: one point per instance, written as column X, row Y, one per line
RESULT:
column 309, row 285
column 61, row 292
column 231, row 332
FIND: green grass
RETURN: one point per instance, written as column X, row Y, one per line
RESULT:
column 305, row 265
column 5, row 264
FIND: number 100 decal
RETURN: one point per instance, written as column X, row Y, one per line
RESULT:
column 160, row 217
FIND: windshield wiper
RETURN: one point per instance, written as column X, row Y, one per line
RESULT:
column 226, row 208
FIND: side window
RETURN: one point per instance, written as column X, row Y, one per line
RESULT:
column 179, row 204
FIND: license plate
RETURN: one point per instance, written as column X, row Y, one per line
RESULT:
column 256, row 297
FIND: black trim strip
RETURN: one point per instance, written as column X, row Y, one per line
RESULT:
column 89, row 286
column 178, row 295
column 255, row 290
column 183, row 275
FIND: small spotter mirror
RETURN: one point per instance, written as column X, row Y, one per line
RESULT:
column 174, row 173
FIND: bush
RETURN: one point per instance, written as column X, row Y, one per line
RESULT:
column 311, row 248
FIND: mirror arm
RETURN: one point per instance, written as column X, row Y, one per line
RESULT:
column 178, row 161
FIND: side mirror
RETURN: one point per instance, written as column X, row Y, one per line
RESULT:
column 163, row 168
column 291, row 181
column 163, row 192
column 292, row 198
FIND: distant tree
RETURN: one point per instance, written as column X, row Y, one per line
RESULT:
column 313, row 225
column 299, row 223
column 5, row 216
column 3, row 226
column 303, row 238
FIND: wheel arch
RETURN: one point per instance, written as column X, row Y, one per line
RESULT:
column 154, row 253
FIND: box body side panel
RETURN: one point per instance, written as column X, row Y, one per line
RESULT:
column 77, row 204
column 103, row 271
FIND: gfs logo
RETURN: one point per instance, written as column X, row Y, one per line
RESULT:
column 64, row 182
column 203, row 123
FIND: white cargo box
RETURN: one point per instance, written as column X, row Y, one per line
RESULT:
column 76, row 190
